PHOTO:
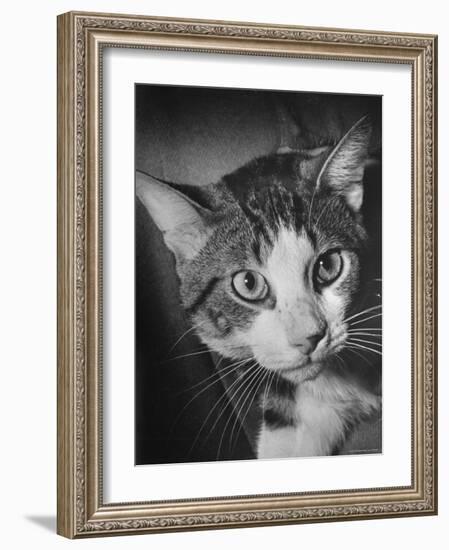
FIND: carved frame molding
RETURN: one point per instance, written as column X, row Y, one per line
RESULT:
column 81, row 38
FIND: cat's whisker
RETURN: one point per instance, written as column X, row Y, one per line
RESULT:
column 365, row 329
column 189, row 330
column 247, row 391
column 250, row 392
column 360, row 346
column 240, row 379
column 204, row 349
column 369, row 332
column 361, row 313
column 364, row 320
column 235, row 366
column 226, row 371
column 350, row 340
column 273, row 378
column 232, row 391
column 185, row 355
column 204, row 424
column 219, row 372
column 337, row 358
column 269, row 379
column 365, row 333
column 217, row 366
column 217, row 375
column 248, row 383
column 277, row 383
column 267, row 389
column 340, row 360
column 359, row 355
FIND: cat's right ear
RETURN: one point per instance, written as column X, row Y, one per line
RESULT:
column 181, row 220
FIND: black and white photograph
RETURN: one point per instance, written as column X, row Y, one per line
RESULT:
column 258, row 274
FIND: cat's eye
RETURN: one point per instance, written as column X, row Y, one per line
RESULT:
column 328, row 267
column 250, row 285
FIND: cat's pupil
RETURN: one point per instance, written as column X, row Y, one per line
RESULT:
column 250, row 281
column 326, row 263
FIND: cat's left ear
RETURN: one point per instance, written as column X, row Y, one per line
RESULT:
column 344, row 168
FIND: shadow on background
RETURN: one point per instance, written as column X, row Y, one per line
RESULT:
column 46, row 522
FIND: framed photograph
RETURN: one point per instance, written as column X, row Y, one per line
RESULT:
column 246, row 274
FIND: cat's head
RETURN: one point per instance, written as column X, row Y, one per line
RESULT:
column 268, row 258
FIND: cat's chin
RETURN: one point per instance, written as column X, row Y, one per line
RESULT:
column 299, row 374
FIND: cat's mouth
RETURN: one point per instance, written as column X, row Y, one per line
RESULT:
column 307, row 368
column 308, row 361
column 297, row 364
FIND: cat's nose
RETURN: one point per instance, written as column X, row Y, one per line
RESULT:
column 308, row 344
column 313, row 340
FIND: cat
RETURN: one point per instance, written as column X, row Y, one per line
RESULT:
column 270, row 262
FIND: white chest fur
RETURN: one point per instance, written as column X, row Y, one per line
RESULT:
column 324, row 408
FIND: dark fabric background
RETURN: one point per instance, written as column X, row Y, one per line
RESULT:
column 195, row 136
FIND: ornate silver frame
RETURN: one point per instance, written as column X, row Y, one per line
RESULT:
column 81, row 38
